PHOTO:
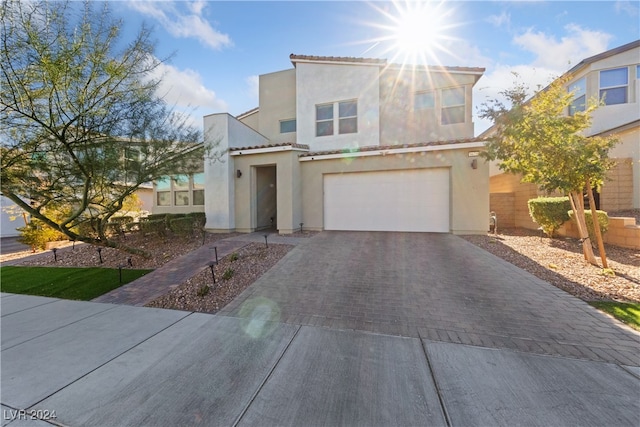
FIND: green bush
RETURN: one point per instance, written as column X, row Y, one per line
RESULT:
column 37, row 234
column 228, row 274
column 203, row 291
column 603, row 219
column 199, row 219
column 182, row 225
column 153, row 226
column 549, row 212
column 120, row 224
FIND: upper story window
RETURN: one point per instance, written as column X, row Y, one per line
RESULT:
column 324, row 120
column 347, row 118
column 579, row 103
column 613, row 86
column 453, row 105
column 287, row 126
column 424, row 100
column 637, row 71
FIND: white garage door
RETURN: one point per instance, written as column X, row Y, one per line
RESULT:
column 408, row 200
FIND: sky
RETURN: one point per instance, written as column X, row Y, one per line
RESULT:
column 217, row 49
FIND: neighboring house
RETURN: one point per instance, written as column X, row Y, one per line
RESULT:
column 613, row 76
column 348, row 144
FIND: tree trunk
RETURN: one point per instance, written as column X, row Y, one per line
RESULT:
column 577, row 203
column 596, row 225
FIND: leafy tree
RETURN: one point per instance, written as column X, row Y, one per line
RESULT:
column 81, row 124
column 536, row 138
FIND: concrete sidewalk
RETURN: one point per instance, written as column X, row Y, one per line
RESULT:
column 92, row 364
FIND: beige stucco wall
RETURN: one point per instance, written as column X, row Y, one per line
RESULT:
column 289, row 206
column 331, row 83
column 401, row 124
column 469, row 208
column 277, row 102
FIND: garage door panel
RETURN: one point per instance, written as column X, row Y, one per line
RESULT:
column 411, row 200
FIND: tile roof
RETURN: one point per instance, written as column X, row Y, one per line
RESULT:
column 383, row 62
column 392, row 147
column 376, row 61
column 604, row 55
column 247, row 113
column 284, row 144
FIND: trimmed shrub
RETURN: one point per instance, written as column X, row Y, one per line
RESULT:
column 199, row 219
column 153, row 226
column 603, row 218
column 549, row 212
column 37, row 234
column 182, row 225
column 120, row 224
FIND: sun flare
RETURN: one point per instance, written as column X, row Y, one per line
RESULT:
column 415, row 30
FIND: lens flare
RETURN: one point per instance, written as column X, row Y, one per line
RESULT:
column 415, row 31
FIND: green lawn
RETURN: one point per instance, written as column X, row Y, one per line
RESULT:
column 67, row 283
column 628, row 313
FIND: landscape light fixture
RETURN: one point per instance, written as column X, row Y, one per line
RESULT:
column 213, row 274
column 55, row 254
column 265, row 241
column 100, row 254
column 120, row 272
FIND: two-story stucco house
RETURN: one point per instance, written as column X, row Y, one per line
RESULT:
column 350, row 144
column 613, row 77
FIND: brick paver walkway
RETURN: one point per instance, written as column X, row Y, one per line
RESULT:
column 163, row 279
column 437, row 287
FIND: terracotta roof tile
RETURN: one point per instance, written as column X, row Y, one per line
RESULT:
column 383, row 62
column 376, row 61
column 391, row 147
column 284, row 144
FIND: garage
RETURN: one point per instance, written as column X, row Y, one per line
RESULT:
column 400, row 200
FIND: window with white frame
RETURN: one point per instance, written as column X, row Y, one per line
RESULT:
column 347, row 118
column 579, row 103
column 324, row 120
column 453, row 106
column 424, row 100
column 613, row 86
column 287, row 126
column 163, row 191
column 180, row 190
column 198, row 189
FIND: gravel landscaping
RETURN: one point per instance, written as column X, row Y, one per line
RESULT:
column 557, row 261
column 233, row 275
column 561, row 262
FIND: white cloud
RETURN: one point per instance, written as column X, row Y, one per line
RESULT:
column 499, row 20
column 627, row 7
column 184, row 89
column 184, row 24
column 560, row 55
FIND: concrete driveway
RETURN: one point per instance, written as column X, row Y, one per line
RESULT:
column 348, row 329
